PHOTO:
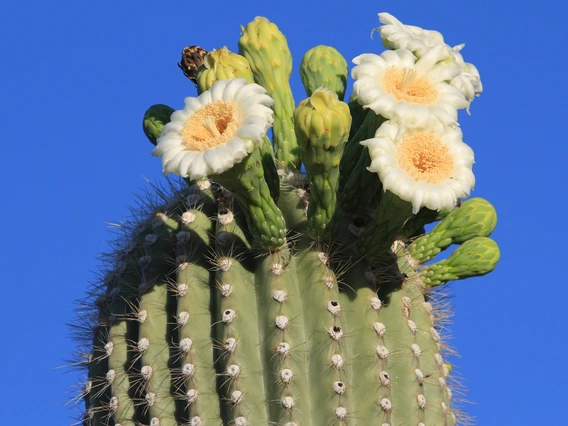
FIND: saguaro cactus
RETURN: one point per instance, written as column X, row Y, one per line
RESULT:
column 254, row 296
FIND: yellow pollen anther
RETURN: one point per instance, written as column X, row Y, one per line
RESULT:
column 210, row 126
column 425, row 158
column 406, row 84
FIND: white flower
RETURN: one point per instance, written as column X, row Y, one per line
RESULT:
column 428, row 166
column 469, row 81
column 216, row 130
column 396, row 85
column 395, row 35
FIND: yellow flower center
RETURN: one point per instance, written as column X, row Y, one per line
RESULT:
column 211, row 125
column 425, row 158
column 405, row 84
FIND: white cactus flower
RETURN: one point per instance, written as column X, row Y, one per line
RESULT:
column 396, row 35
column 216, row 130
column 428, row 166
column 397, row 85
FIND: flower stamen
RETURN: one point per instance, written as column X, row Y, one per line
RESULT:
column 425, row 158
column 210, row 126
column 405, row 84
column 407, row 77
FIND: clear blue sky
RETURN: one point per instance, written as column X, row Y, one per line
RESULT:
column 77, row 76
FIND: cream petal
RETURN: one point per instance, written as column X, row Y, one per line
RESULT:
column 383, row 162
column 418, row 197
column 433, row 200
column 432, row 56
column 412, row 114
column 240, row 148
column 367, row 70
column 169, row 154
column 218, row 91
column 219, row 159
column 248, row 94
column 387, row 18
column 397, row 58
column 185, row 163
column 172, row 127
column 369, row 58
column 446, row 113
column 406, row 58
column 192, row 105
column 263, row 124
column 252, row 99
column 383, row 105
column 232, row 88
column 259, row 112
column 199, row 167
column 165, row 144
column 205, row 97
column 251, row 132
column 179, row 116
column 443, row 73
column 172, row 166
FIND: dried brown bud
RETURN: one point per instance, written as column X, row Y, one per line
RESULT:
column 191, row 60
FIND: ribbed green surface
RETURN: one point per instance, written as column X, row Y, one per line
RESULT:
column 246, row 181
column 306, row 335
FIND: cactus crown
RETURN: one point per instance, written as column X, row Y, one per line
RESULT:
column 250, row 293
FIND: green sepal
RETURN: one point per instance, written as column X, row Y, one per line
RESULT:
column 155, row 118
column 473, row 258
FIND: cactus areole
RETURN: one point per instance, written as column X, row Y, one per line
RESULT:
column 284, row 282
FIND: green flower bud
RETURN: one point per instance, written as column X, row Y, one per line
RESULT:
column 222, row 64
column 475, row 257
column 155, row 118
column 266, row 49
column 474, row 218
column 322, row 124
column 323, row 66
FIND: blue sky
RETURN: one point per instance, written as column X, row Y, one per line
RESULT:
column 77, row 77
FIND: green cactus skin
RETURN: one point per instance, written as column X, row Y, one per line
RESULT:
column 383, row 362
column 390, row 218
column 267, row 51
column 275, row 297
column 322, row 124
column 359, row 188
column 246, row 180
column 155, row 118
column 323, row 66
column 222, row 64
